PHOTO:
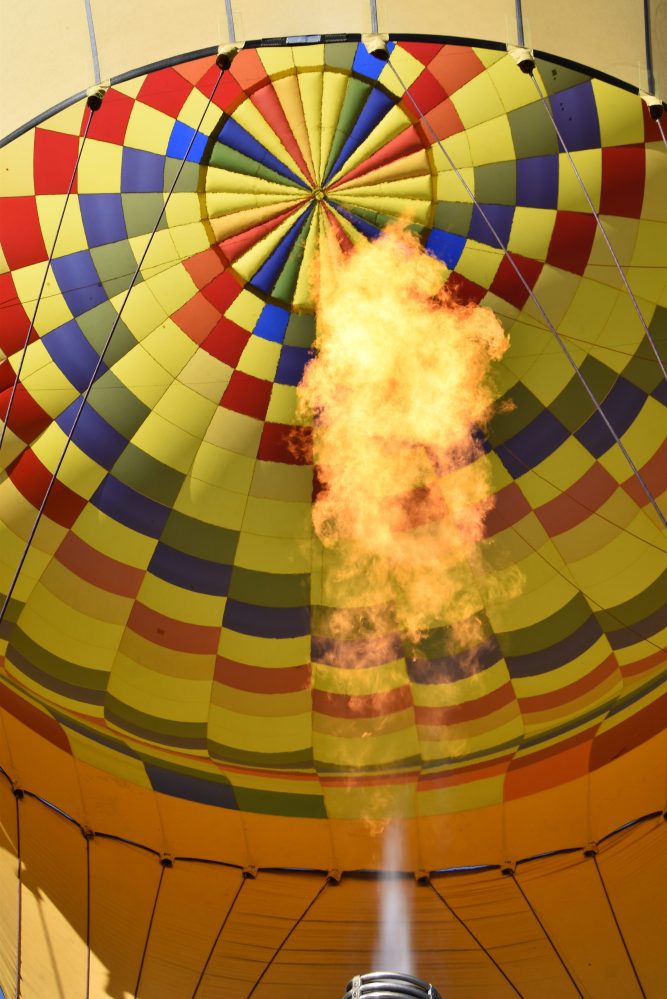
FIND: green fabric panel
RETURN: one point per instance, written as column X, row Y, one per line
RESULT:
column 147, row 475
column 300, row 330
column 296, row 759
column 356, row 95
column 141, row 212
column 556, row 78
column 269, row 589
column 118, row 405
column 289, row 275
column 308, row 806
column 573, row 406
column 195, row 537
column 339, row 56
column 96, row 325
column 532, row 132
column 495, row 183
column 453, row 217
column 225, row 158
column 153, row 727
column 549, row 631
column 115, row 263
column 54, row 666
column 526, row 409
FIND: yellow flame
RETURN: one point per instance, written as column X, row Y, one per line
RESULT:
column 399, row 384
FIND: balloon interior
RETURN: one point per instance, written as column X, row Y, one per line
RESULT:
column 327, row 523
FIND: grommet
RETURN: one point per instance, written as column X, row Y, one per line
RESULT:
column 523, row 58
column 423, row 878
column 166, row 860
column 334, row 876
column 18, row 793
column 653, row 103
column 87, row 833
column 227, row 53
column 508, row 869
column 376, row 45
column 249, row 872
column 95, row 95
column 591, row 850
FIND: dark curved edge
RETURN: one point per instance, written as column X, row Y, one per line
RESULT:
column 318, row 39
column 367, row 874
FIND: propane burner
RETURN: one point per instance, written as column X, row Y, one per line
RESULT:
column 389, row 985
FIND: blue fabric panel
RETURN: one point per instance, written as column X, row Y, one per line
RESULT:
column 237, row 138
column 79, row 281
column 181, row 785
column 371, row 114
column 269, row 272
column 272, row 323
column 179, row 141
column 103, row 218
column 366, row 64
column 500, row 217
column 73, row 354
column 532, row 444
column 537, row 182
column 266, row 622
column 446, row 246
column 93, row 435
column 621, row 407
column 291, row 364
column 575, row 112
column 130, row 508
column 190, row 572
column 141, row 171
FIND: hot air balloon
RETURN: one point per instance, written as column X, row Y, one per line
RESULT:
column 193, row 773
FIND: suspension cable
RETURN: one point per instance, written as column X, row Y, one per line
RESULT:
column 561, row 343
column 662, row 131
column 100, row 359
column 18, row 797
column 88, row 836
column 546, row 933
column 289, row 933
column 476, row 939
column 218, row 935
column 24, row 351
column 164, row 864
column 599, row 222
column 593, row 853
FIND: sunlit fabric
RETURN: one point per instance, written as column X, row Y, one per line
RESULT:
column 169, row 674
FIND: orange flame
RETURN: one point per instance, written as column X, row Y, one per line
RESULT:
column 398, row 387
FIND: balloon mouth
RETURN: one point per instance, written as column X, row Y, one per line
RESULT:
column 389, row 985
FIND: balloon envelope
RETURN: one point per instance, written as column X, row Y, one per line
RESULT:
column 169, row 673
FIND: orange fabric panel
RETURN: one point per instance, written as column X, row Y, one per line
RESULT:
column 194, row 899
column 634, row 868
column 8, row 893
column 264, row 913
column 492, row 906
column 567, row 894
column 40, row 766
column 123, row 885
column 630, row 786
column 53, row 852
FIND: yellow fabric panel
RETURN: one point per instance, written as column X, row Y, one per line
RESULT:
column 265, row 911
column 194, row 899
column 124, row 883
column 54, row 904
column 498, row 915
column 72, row 236
column 635, row 874
column 8, row 893
column 568, row 896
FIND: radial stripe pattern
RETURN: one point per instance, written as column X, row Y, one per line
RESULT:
column 172, row 622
